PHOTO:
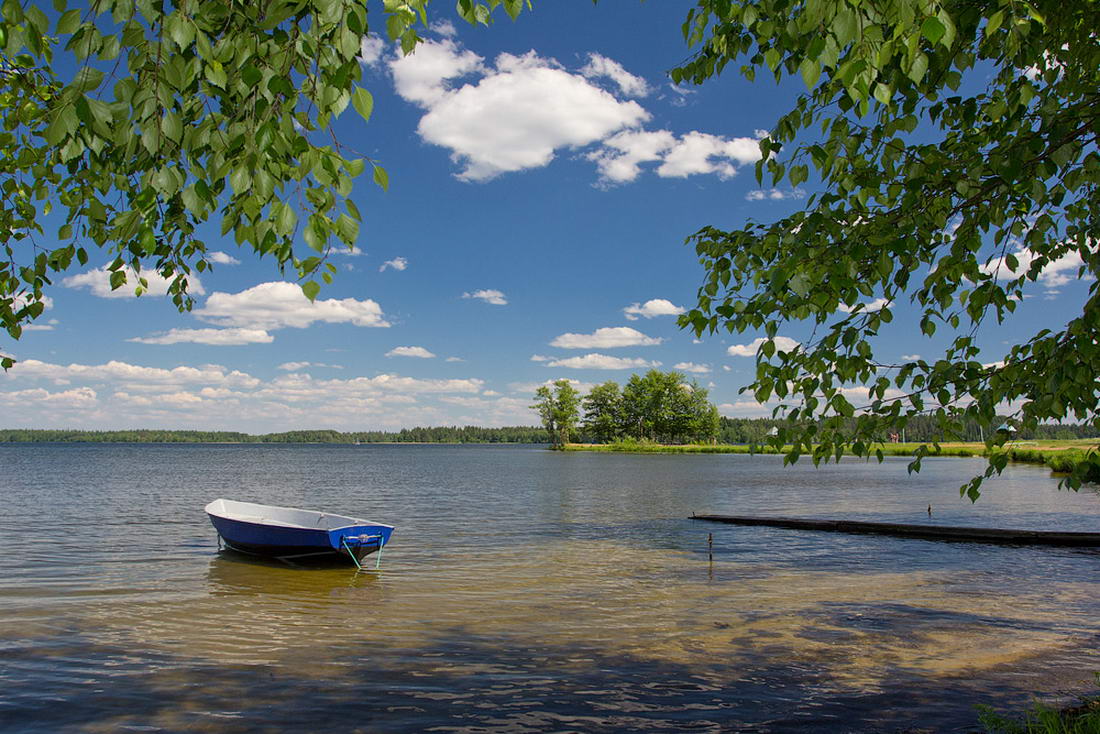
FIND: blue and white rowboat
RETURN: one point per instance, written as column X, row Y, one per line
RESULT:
column 289, row 534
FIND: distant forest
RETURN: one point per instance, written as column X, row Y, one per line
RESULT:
column 730, row 431
column 443, row 434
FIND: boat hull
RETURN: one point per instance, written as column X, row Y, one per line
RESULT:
column 338, row 538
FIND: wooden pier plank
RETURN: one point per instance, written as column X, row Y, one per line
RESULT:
column 926, row 532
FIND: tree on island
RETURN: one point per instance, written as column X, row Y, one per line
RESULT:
column 957, row 159
column 175, row 113
column 559, row 410
column 603, row 414
column 658, row 406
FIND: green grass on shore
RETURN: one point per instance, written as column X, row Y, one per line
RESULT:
column 1060, row 456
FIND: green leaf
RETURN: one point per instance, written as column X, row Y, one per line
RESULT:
column 363, row 102
column 240, row 180
column 286, row 221
column 381, row 177
column 311, row 288
column 810, row 69
column 932, row 29
column 68, row 22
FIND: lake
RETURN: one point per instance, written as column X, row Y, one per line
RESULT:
column 528, row 591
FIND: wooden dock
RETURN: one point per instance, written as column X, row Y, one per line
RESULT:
column 926, row 532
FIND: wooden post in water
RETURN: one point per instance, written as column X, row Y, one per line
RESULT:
column 710, row 547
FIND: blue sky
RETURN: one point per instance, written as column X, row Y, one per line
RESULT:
column 543, row 177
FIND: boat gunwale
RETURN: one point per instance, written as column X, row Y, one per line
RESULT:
column 355, row 522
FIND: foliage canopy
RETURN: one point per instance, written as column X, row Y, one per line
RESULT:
column 141, row 119
column 932, row 189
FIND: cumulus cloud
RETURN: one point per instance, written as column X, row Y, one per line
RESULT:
column 540, row 358
column 371, row 49
column 651, row 309
column 746, row 409
column 910, row 357
column 875, row 305
column 222, row 258
column 81, row 397
column 1054, row 274
column 600, row 66
column 494, row 297
column 775, row 194
column 211, row 396
column 596, row 361
column 214, row 337
column 135, row 376
column 420, row 352
column 98, row 282
column 398, row 263
column 547, row 108
column 281, row 305
column 621, row 155
column 295, row 366
column 782, row 344
column 699, row 369
column 606, row 338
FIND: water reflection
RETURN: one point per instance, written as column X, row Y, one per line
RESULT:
column 233, row 574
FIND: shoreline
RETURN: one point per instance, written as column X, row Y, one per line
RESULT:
column 1059, row 455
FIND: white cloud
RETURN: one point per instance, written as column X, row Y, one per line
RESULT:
column 651, row 309
column 213, row 397
column 782, row 344
column 605, row 338
column 98, row 281
column 540, row 358
column 422, row 76
column 603, row 362
column 619, row 158
column 20, row 300
column 81, row 397
column 1054, row 274
column 775, row 194
column 371, row 49
column 455, row 359
column 547, row 107
column 699, row 369
column 295, row 366
column 600, row 66
column 494, row 297
column 746, row 409
column 136, row 377
column 695, row 153
column 281, row 305
column 875, row 305
column 420, row 352
column 215, row 337
column 398, row 263
column 910, row 357
column 222, row 258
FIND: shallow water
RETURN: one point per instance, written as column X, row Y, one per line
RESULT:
column 528, row 590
